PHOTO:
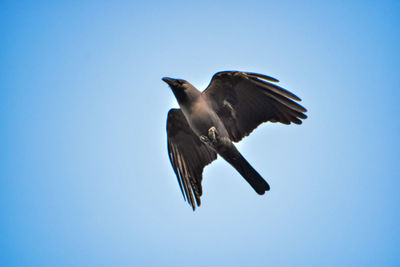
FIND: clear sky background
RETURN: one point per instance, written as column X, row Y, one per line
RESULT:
column 85, row 179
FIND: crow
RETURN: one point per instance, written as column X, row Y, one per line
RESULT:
column 208, row 122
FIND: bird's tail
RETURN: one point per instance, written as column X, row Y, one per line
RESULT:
column 233, row 156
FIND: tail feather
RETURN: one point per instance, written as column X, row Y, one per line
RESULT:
column 233, row 156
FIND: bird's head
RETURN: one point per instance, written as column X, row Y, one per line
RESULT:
column 179, row 87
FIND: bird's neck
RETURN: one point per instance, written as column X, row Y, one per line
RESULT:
column 188, row 97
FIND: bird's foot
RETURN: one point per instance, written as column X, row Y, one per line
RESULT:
column 212, row 134
column 205, row 139
column 211, row 138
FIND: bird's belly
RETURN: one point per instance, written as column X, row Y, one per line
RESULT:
column 201, row 117
column 200, row 125
column 201, row 122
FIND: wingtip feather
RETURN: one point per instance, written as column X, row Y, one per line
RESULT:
column 262, row 76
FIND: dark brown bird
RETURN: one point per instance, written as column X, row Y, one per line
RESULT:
column 208, row 123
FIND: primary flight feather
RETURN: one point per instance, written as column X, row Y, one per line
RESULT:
column 208, row 122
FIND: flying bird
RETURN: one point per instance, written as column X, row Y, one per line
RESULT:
column 208, row 122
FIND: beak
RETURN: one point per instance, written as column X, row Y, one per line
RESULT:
column 169, row 81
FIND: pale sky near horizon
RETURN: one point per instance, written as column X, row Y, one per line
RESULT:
column 85, row 178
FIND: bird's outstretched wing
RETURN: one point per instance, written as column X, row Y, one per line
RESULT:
column 244, row 100
column 188, row 156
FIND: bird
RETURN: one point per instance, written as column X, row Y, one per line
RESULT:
column 208, row 123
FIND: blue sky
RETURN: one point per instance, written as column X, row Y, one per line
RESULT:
column 85, row 178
